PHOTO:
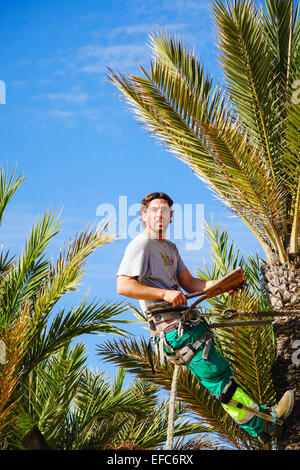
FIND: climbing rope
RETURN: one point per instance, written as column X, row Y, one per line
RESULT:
column 171, row 416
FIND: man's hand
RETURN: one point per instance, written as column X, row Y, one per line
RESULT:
column 174, row 297
column 236, row 291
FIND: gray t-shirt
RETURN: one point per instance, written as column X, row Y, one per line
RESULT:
column 155, row 263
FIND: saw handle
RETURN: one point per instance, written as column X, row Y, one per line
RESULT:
column 233, row 280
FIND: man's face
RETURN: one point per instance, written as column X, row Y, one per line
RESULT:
column 157, row 217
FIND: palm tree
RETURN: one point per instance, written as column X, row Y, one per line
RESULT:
column 249, row 349
column 78, row 409
column 33, row 327
column 242, row 139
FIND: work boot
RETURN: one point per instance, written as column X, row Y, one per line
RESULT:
column 282, row 409
column 285, row 405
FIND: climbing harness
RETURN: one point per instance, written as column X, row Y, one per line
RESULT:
column 162, row 323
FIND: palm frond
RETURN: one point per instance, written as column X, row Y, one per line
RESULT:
column 30, row 270
column 179, row 75
column 8, row 187
column 202, row 442
column 282, row 30
column 166, row 125
column 291, row 171
column 65, row 275
column 48, row 393
column 246, row 57
column 50, row 333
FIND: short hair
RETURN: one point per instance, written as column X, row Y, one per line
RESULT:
column 156, row 195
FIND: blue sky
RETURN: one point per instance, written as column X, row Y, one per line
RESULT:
column 74, row 139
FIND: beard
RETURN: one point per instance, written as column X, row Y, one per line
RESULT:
column 160, row 227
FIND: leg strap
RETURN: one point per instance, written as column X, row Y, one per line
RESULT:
column 276, row 420
column 227, row 392
column 187, row 352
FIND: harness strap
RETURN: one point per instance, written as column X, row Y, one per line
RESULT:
column 187, row 352
column 227, row 392
column 276, row 420
column 161, row 347
column 168, row 321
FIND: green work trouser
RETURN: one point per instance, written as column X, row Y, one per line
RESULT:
column 215, row 374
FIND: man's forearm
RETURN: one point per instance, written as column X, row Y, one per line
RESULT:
column 196, row 285
column 135, row 290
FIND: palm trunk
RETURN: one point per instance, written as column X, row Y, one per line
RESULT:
column 282, row 284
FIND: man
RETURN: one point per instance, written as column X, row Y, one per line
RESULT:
column 152, row 270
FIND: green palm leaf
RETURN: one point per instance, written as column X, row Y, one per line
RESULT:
column 282, row 30
column 30, row 270
column 66, row 274
column 7, row 188
column 51, row 332
column 246, row 58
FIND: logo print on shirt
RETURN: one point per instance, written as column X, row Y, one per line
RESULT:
column 168, row 261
